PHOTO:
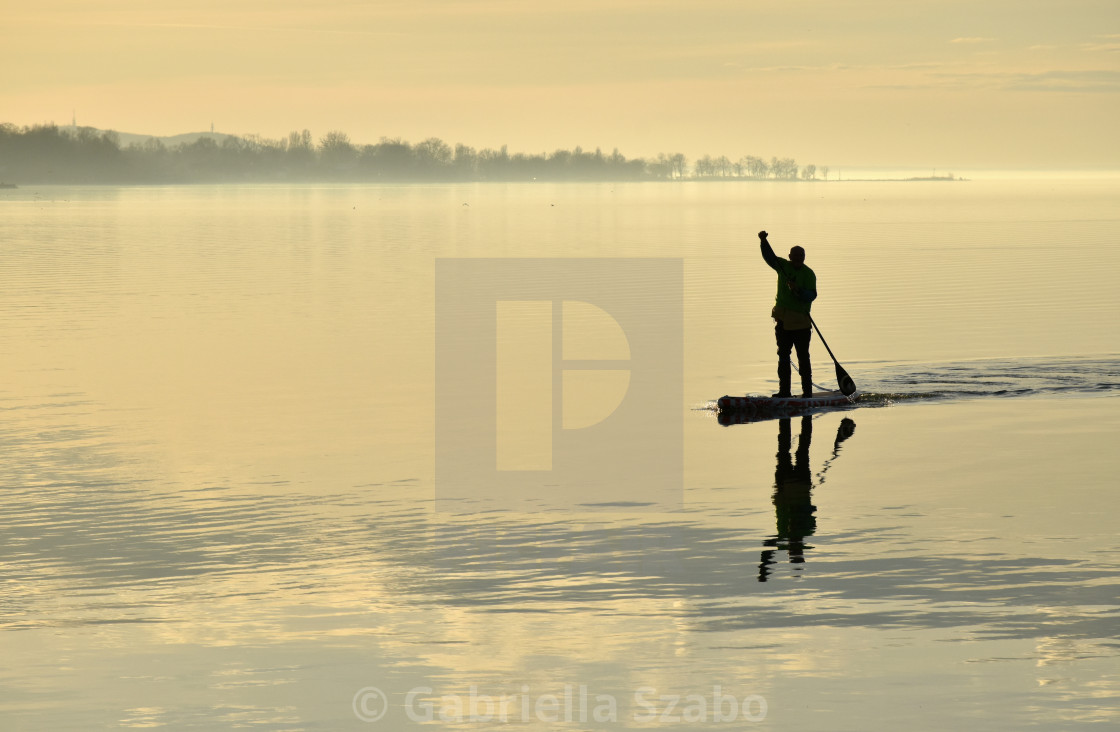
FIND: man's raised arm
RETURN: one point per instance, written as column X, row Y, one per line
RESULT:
column 767, row 251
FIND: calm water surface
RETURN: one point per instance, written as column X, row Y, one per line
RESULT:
column 216, row 429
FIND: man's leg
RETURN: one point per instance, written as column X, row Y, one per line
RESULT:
column 785, row 346
column 804, row 365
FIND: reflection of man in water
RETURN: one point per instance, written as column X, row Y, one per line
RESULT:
column 793, row 492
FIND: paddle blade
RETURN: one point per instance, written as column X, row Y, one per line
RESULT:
column 847, row 386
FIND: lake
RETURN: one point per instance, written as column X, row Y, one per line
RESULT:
column 248, row 442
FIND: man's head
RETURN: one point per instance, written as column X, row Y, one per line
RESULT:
column 797, row 256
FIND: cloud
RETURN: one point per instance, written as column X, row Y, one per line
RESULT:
column 1112, row 47
column 1085, row 81
column 1092, row 81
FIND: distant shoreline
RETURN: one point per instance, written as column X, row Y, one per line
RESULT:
column 13, row 186
column 918, row 179
column 49, row 154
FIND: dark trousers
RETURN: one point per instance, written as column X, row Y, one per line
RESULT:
column 789, row 340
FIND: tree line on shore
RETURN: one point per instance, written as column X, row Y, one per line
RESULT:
column 49, row 154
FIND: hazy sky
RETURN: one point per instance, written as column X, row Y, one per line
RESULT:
column 924, row 83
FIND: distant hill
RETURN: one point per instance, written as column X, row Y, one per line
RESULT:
column 129, row 138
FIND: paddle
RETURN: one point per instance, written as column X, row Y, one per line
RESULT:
column 847, row 386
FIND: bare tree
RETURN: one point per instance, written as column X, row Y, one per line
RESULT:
column 756, row 167
column 704, row 168
column 679, row 163
column 465, row 161
column 433, row 152
column 299, row 140
column 336, row 154
column 723, row 166
column 783, row 169
column 662, row 167
column 335, row 140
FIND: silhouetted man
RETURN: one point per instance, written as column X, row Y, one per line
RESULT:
column 797, row 288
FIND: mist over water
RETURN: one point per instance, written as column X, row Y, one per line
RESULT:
column 216, row 429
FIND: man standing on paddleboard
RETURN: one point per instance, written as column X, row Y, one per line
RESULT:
column 797, row 288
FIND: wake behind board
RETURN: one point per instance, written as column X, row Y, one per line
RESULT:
column 778, row 405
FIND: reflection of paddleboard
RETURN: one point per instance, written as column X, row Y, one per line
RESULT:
column 769, row 405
